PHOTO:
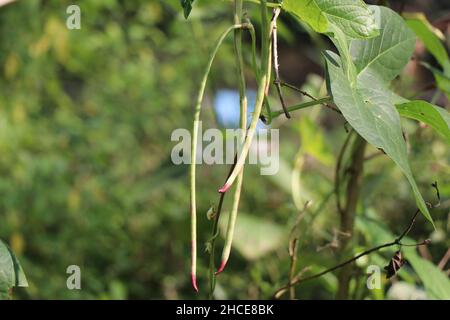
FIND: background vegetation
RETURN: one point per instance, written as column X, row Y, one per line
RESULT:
column 85, row 171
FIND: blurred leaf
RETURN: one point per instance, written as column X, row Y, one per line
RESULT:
column 436, row 282
column 187, row 7
column 313, row 141
column 254, row 237
column 12, row 64
column 353, row 17
column 436, row 117
column 431, row 37
column 442, row 78
column 374, row 232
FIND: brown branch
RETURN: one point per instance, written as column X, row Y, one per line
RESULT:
column 280, row 292
column 347, row 216
column 444, row 260
column 293, row 248
column 276, row 65
column 337, row 178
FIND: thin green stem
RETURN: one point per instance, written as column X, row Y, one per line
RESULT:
column 243, row 124
column 214, row 233
column 212, row 275
column 195, row 130
column 269, row 4
column 302, row 106
column 262, row 87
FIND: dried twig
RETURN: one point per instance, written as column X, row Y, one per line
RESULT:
column 280, row 292
column 276, row 65
column 293, row 248
column 444, row 260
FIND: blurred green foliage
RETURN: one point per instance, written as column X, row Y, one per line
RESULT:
column 85, row 171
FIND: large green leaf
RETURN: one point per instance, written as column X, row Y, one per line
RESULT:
column 11, row 273
column 367, row 104
column 436, row 282
column 436, row 117
column 351, row 16
column 254, row 237
column 384, row 56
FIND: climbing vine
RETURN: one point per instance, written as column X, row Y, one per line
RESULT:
column 372, row 45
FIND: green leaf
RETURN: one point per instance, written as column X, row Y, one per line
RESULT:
column 436, row 282
column 442, row 78
column 353, row 17
column 384, row 56
column 433, row 39
column 254, row 237
column 430, row 36
column 11, row 272
column 187, row 7
column 342, row 44
column 367, row 105
column 436, row 117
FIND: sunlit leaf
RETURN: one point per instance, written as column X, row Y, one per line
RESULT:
column 367, row 105
column 351, row 16
column 384, row 56
column 435, row 281
column 437, row 118
column 254, row 237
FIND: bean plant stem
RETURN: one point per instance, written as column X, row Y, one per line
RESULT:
column 347, row 215
column 195, row 130
column 214, row 234
column 243, row 125
column 302, row 106
column 262, row 87
column 276, row 65
column 269, row 4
